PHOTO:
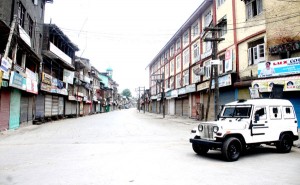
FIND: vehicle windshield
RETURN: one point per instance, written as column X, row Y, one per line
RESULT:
column 236, row 112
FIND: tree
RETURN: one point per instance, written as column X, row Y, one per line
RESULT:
column 126, row 92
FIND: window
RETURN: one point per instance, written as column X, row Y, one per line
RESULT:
column 196, row 52
column 275, row 112
column 172, row 83
column 207, row 19
column 185, row 38
column 253, row 8
column 261, row 112
column 167, row 70
column 186, row 77
column 237, row 112
column 30, row 26
column 207, row 67
column 221, row 66
column 186, row 58
column 178, row 45
column 223, row 25
column 178, row 80
column 162, row 60
column 167, row 55
column 288, row 113
column 35, row 2
column 172, row 51
column 256, row 52
column 172, row 67
column 195, row 30
column 178, row 63
column 21, row 14
column 220, row 2
column 208, row 45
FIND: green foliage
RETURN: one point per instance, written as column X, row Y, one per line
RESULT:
column 126, row 92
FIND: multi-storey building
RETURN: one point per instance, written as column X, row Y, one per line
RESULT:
column 21, row 33
column 257, row 33
column 57, row 73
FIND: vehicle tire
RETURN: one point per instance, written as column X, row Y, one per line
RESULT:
column 200, row 149
column 231, row 149
column 284, row 145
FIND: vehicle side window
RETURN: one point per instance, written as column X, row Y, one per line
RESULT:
column 275, row 112
column 288, row 113
column 262, row 112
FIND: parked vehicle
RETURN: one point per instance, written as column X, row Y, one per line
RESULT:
column 248, row 123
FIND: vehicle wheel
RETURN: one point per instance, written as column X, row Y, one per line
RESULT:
column 200, row 149
column 232, row 149
column 285, row 144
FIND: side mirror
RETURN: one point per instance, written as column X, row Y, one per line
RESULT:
column 256, row 118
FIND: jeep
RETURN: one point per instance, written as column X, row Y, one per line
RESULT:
column 248, row 123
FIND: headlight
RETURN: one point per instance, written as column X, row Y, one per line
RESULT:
column 200, row 127
column 215, row 129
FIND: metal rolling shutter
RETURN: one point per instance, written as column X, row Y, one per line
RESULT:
column 68, row 108
column 40, row 106
column 166, row 107
column 295, row 100
column 15, row 104
column 30, row 109
column 74, row 109
column 48, row 105
column 185, row 107
column 61, row 106
column 227, row 96
column 4, row 109
column 24, row 109
column 154, row 107
column 178, row 107
column 54, row 106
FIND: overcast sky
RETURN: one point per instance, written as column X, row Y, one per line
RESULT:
column 122, row 34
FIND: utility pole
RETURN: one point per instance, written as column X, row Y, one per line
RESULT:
column 214, row 68
column 139, row 102
column 13, row 25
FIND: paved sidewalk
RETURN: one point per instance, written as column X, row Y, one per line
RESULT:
column 191, row 121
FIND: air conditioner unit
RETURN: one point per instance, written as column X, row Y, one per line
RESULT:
column 199, row 71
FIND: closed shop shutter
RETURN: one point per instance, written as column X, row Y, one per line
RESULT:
column 227, row 96
column 172, row 107
column 68, row 108
column 158, row 107
column 15, row 104
column 98, row 107
column 185, row 107
column 40, row 107
column 86, row 110
column 54, row 106
column 74, row 108
column 60, row 105
column 24, row 109
column 295, row 100
column 30, row 108
column 48, row 105
column 154, row 106
column 178, row 107
column 81, row 108
column 4, row 108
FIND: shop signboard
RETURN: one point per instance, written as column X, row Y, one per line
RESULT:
column 5, row 67
column 31, row 82
column 68, row 76
column 190, row 88
column 47, row 79
column 228, row 60
column 279, row 67
column 290, row 84
column 181, row 91
column 17, row 81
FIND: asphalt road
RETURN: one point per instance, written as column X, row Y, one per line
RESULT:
column 128, row 147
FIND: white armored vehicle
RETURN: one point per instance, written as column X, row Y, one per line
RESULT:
column 246, row 123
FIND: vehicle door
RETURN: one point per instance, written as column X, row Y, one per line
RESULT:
column 260, row 125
